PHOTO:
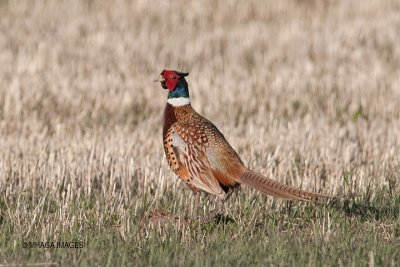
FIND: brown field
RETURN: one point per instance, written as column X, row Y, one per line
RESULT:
column 307, row 92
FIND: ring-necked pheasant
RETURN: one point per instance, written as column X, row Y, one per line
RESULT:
column 200, row 155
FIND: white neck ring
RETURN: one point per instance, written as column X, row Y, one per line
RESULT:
column 179, row 101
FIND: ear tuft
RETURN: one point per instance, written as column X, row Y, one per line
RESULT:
column 183, row 74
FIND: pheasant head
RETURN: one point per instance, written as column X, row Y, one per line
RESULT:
column 178, row 88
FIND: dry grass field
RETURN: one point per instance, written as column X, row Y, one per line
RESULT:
column 307, row 92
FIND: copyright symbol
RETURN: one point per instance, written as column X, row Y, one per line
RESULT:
column 24, row 244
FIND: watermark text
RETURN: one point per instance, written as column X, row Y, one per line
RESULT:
column 53, row 244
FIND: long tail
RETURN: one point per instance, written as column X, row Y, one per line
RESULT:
column 277, row 189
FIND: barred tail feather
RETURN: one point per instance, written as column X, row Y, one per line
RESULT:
column 277, row 189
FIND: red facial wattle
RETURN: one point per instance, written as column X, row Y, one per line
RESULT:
column 171, row 79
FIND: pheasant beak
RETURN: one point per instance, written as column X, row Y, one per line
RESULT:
column 159, row 79
column 162, row 81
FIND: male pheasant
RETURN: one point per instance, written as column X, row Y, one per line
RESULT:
column 200, row 155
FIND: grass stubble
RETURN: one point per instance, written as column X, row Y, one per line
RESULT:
column 307, row 92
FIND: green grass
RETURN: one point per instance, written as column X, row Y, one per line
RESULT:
column 355, row 232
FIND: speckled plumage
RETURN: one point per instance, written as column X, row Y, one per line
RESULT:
column 198, row 153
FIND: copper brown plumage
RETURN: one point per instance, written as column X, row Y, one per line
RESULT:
column 200, row 155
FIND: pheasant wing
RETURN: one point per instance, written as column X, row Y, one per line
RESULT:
column 190, row 144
